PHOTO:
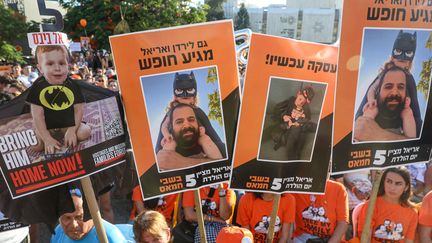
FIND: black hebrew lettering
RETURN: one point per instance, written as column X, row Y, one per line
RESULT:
column 386, row 14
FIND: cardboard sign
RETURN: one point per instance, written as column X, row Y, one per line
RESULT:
column 285, row 126
column 381, row 115
column 180, row 91
column 75, row 47
column 47, row 38
column 7, row 224
column 27, row 171
column 5, row 69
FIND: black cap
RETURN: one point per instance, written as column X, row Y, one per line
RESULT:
column 185, row 85
column 404, row 46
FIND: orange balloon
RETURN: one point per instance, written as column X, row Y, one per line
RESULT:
column 83, row 22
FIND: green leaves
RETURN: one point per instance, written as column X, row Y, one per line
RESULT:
column 104, row 17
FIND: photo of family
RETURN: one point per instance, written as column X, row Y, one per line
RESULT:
column 185, row 118
column 393, row 85
column 290, row 125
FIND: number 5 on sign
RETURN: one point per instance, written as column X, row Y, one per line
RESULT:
column 380, row 157
column 190, row 180
column 277, row 184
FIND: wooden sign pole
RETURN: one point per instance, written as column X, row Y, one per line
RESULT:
column 275, row 209
column 200, row 218
column 366, row 234
column 94, row 209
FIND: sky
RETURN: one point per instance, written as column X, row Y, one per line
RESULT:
column 162, row 85
column 376, row 50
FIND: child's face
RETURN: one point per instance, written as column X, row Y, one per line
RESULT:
column 54, row 66
column 186, row 100
column 404, row 64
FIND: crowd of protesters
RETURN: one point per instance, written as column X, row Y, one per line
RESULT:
column 403, row 212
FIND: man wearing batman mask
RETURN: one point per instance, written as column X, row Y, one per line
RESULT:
column 374, row 119
column 185, row 93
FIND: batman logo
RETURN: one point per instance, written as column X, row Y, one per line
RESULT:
column 56, row 97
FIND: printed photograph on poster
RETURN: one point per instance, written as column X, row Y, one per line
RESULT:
column 185, row 115
column 393, row 85
column 291, row 120
column 19, row 145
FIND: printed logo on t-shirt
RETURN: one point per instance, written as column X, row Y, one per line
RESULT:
column 389, row 230
column 209, row 207
column 316, row 222
column 161, row 204
column 261, row 229
column 316, row 214
column 56, row 97
column 263, row 225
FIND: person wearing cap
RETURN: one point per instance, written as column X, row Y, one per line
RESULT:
column 185, row 92
column 294, row 117
column 234, row 234
column 73, row 228
column 402, row 56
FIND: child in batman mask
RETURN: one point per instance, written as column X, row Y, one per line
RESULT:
column 403, row 53
column 56, row 102
column 185, row 92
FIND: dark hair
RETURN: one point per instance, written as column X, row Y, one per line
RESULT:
column 404, row 173
column 170, row 115
column 4, row 80
column 258, row 195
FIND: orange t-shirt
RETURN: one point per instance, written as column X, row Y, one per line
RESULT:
column 425, row 217
column 213, row 207
column 165, row 204
column 318, row 214
column 390, row 222
column 255, row 213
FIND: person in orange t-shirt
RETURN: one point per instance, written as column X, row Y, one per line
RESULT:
column 394, row 218
column 164, row 205
column 322, row 216
column 217, row 209
column 425, row 219
column 254, row 211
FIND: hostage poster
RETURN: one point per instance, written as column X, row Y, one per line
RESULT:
column 7, row 224
column 27, row 168
column 284, row 133
column 383, row 85
column 180, row 90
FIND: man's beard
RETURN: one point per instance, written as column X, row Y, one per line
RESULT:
column 384, row 107
column 390, row 118
column 189, row 141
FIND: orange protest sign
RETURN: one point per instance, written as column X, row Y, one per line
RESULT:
column 173, row 79
column 285, row 123
column 383, row 45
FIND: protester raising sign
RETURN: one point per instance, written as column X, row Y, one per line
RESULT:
column 285, row 126
column 180, row 91
column 381, row 116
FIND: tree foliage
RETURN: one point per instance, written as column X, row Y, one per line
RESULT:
column 215, row 11
column 13, row 28
column 425, row 75
column 242, row 18
column 215, row 112
column 103, row 16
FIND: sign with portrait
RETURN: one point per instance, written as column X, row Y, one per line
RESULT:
column 27, row 168
column 383, row 86
column 284, row 133
column 180, row 91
